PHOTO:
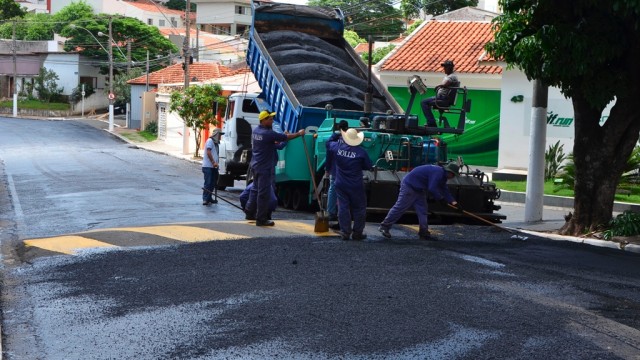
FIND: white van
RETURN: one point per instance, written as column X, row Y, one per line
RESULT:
column 240, row 118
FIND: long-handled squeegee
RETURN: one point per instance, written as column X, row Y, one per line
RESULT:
column 514, row 236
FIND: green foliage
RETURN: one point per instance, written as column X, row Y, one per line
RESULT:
column 567, row 177
column 353, row 38
column 76, row 94
column 553, row 159
column 33, row 27
column 10, row 9
column 36, row 105
column 413, row 27
column 121, row 88
column 625, row 224
column 195, row 106
column 378, row 54
column 47, row 87
column 411, row 8
column 180, row 5
column 378, row 18
column 564, row 44
column 152, row 128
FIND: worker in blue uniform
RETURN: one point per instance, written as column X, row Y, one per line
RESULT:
column 330, row 166
column 421, row 180
column 244, row 198
column 350, row 160
column 263, row 146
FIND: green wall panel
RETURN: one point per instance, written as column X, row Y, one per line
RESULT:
column 478, row 145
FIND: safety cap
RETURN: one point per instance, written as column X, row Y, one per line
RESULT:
column 265, row 114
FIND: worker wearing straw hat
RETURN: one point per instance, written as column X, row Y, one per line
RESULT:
column 350, row 160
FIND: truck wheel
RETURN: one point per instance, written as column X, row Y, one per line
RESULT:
column 299, row 200
column 287, row 197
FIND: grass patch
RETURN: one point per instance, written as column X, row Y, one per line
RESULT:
column 139, row 136
column 629, row 192
column 36, row 105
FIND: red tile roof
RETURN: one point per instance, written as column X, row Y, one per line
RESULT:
column 145, row 6
column 436, row 41
column 211, row 42
column 175, row 74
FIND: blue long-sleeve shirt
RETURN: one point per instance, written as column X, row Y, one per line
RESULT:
column 431, row 178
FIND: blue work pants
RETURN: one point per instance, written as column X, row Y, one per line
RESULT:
column 210, row 180
column 260, row 196
column 332, row 198
column 352, row 206
column 407, row 198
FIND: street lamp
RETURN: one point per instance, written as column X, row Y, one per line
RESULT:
column 110, row 53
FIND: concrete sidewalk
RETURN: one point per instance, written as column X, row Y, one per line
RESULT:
column 555, row 207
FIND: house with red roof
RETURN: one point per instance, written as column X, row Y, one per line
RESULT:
column 501, row 97
column 154, row 100
column 208, row 47
column 422, row 54
column 147, row 11
column 143, row 88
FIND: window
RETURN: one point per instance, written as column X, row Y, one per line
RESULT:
column 250, row 106
column 149, row 21
column 242, row 10
column 161, row 23
column 174, row 23
column 89, row 80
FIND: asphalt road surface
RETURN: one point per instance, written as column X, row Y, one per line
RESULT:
column 474, row 294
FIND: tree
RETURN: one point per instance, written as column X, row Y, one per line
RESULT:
column 125, row 31
column 34, row 27
column 412, row 8
column 378, row 54
column 180, row 5
column 10, row 9
column 353, row 38
column 590, row 50
column 195, row 106
column 122, row 89
column 376, row 17
column 47, row 86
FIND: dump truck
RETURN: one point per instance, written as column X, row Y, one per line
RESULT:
column 313, row 79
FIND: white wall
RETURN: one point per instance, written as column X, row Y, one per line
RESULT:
column 66, row 67
column 223, row 13
column 515, row 120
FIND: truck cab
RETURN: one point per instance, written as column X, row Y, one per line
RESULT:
column 241, row 117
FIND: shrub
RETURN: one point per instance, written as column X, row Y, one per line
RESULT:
column 553, row 159
column 625, row 224
column 76, row 94
column 151, row 128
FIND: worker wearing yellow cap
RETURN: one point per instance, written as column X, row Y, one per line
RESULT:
column 263, row 145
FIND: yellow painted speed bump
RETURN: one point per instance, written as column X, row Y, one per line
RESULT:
column 183, row 233
column 299, row 228
column 66, row 244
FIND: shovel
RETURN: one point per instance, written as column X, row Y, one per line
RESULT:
column 322, row 220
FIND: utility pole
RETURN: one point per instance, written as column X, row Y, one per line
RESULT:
column 15, row 73
column 111, row 95
column 128, row 56
column 147, row 88
column 186, row 55
column 534, row 196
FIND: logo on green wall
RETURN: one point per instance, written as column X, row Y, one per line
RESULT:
column 554, row 120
